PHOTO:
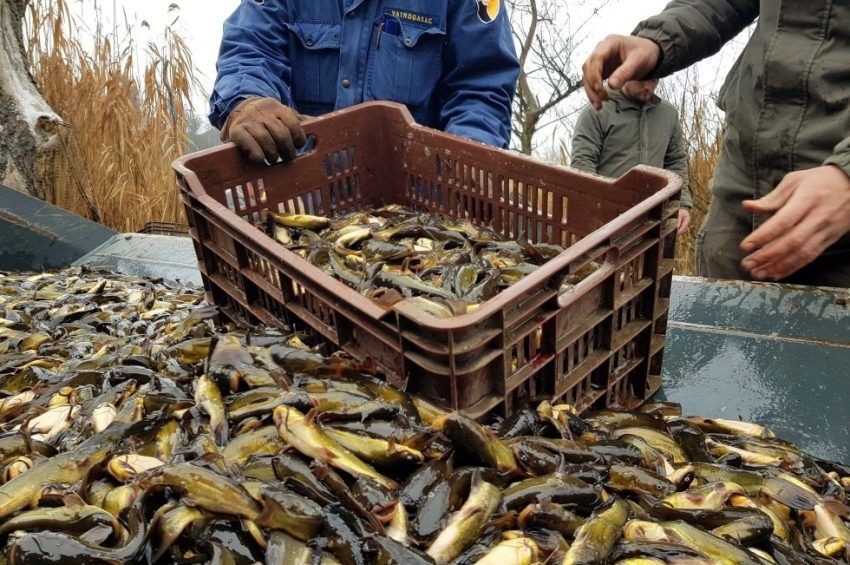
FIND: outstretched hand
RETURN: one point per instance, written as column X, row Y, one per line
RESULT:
column 618, row 58
column 811, row 211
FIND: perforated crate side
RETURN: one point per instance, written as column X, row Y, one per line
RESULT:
column 600, row 342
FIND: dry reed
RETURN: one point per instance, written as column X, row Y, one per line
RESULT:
column 702, row 128
column 126, row 116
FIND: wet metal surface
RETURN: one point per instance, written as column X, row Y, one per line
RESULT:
column 36, row 236
column 151, row 256
column 776, row 355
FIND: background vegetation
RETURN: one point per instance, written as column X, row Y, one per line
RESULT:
column 125, row 115
column 128, row 112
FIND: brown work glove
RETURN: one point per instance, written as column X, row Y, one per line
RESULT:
column 265, row 129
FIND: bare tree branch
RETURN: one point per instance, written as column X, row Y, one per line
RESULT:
column 549, row 74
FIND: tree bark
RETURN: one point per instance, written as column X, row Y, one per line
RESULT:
column 29, row 128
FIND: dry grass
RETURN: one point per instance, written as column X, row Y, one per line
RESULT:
column 701, row 126
column 126, row 117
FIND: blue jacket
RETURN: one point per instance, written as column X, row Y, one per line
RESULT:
column 452, row 62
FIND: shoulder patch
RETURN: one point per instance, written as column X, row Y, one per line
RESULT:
column 488, row 10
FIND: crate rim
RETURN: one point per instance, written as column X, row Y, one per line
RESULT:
column 488, row 308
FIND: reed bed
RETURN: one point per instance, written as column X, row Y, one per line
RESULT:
column 125, row 114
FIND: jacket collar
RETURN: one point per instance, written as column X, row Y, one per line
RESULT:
column 622, row 103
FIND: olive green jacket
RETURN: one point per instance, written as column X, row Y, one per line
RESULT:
column 625, row 133
column 787, row 99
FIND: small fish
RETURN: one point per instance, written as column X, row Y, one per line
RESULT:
column 464, row 526
column 301, row 221
column 720, row 551
column 73, row 519
column 208, row 396
column 36, row 548
column 307, row 437
column 125, row 467
column 713, row 496
column 551, row 516
column 387, row 454
column 206, row 488
column 557, row 487
column 298, row 516
column 262, row 441
column 595, row 539
column 170, row 523
column 477, row 441
column 745, row 429
column 67, row 468
column 516, row 551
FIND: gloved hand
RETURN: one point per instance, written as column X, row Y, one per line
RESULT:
column 265, row 129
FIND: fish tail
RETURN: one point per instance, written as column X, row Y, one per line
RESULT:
column 836, row 507
column 789, row 494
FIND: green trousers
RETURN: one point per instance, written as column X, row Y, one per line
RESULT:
column 718, row 252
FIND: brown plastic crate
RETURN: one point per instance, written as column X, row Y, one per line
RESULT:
column 599, row 344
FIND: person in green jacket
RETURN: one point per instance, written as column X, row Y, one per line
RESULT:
column 781, row 208
column 635, row 127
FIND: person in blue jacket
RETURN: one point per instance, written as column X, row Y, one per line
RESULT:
column 451, row 62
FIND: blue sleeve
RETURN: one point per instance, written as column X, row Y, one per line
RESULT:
column 253, row 60
column 481, row 71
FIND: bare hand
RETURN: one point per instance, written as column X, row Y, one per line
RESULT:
column 619, row 58
column 684, row 221
column 265, row 130
column 811, row 211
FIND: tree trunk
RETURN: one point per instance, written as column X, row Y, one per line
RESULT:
column 29, row 128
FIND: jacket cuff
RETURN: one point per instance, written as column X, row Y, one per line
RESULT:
column 479, row 135
column 666, row 43
column 840, row 160
column 220, row 108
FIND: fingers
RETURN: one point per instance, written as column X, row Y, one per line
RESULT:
column 684, row 222
column 629, row 70
column 622, row 58
column 246, row 142
column 788, row 254
column 292, row 122
column 605, row 54
column 282, row 140
column 259, row 131
column 781, row 235
column 776, row 199
column 791, row 212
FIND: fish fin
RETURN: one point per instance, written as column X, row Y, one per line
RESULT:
column 222, row 433
column 235, row 471
column 327, row 454
column 789, row 494
column 97, row 535
column 73, row 500
column 386, row 512
column 281, row 379
column 310, row 417
column 836, row 507
column 208, row 458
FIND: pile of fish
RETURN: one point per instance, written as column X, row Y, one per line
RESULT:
column 135, row 431
column 446, row 267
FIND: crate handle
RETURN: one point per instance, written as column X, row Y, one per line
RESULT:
column 308, row 147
